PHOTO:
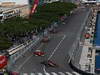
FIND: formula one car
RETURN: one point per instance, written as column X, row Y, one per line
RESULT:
column 49, row 63
column 39, row 53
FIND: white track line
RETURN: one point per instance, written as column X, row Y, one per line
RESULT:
column 24, row 63
column 25, row 74
column 54, row 51
column 44, row 69
column 68, row 73
column 47, row 74
column 39, row 74
column 61, row 73
column 54, row 73
column 76, row 73
column 27, row 59
column 32, row 74
column 57, row 47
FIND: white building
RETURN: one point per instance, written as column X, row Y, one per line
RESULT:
column 18, row 2
column 50, row 1
column 90, row 1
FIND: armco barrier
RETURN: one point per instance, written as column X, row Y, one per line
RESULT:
column 20, row 52
column 75, row 66
column 71, row 53
column 78, row 70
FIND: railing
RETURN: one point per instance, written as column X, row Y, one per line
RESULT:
column 76, row 48
column 19, row 51
column 76, row 43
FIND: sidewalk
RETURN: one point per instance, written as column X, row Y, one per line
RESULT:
column 87, row 61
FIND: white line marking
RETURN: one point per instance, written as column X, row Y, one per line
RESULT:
column 39, row 74
column 32, row 74
column 26, row 60
column 25, row 74
column 47, row 74
column 68, row 73
column 54, row 51
column 75, row 73
column 44, row 69
column 54, row 73
column 57, row 47
column 23, row 63
column 61, row 73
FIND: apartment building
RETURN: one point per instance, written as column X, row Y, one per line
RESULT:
column 15, row 5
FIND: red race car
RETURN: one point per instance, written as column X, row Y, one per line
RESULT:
column 39, row 53
column 49, row 63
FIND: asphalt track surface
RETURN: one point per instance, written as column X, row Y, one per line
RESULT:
column 57, row 48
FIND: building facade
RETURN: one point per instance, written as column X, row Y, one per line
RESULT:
column 18, row 2
column 50, row 1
